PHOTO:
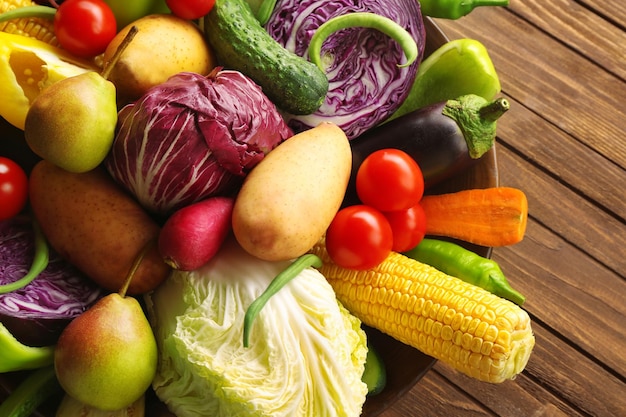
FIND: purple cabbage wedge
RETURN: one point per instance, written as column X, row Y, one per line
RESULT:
column 193, row 137
column 37, row 313
column 366, row 85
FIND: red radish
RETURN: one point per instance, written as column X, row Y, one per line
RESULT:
column 193, row 234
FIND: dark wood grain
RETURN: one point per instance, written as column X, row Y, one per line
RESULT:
column 562, row 65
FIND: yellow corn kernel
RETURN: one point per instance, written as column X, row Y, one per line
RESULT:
column 472, row 330
column 33, row 27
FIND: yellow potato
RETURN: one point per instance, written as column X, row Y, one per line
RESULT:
column 288, row 200
column 163, row 46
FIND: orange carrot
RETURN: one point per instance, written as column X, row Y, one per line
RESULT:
column 494, row 216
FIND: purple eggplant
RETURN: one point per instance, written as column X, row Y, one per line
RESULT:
column 445, row 138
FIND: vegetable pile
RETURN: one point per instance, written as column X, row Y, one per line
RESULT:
column 37, row 312
column 193, row 137
column 364, row 66
column 267, row 195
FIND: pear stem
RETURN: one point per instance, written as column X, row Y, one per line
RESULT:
column 135, row 266
column 118, row 52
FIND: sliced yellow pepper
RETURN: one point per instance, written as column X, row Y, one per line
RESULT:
column 27, row 66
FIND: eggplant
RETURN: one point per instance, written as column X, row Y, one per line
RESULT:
column 444, row 138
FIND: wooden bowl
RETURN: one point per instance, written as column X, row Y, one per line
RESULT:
column 404, row 364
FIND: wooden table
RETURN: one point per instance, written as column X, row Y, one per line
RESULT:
column 562, row 65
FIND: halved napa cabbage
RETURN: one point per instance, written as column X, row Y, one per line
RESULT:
column 306, row 354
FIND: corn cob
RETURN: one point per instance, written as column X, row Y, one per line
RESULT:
column 33, row 27
column 472, row 330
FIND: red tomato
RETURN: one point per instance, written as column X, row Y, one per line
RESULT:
column 359, row 237
column 408, row 226
column 84, row 27
column 13, row 188
column 190, row 9
column 389, row 180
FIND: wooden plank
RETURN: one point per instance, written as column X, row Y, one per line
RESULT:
column 569, row 215
column 580, row 28
column 583, row 387
column 543, row 144
column 568, row 90
column 565, row 285
column 433, row 395
column 613, row 10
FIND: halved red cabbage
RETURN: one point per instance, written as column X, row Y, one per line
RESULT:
column 37, row 313
column 193, row 137
column 366, row 84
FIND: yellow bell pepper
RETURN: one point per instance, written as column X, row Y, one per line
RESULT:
column 27, row 66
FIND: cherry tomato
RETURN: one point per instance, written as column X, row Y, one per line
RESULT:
column 84, row 27
column 359, row 237
column 190, row 9
column 408, row 227
column 389, row 180
column 13, row 188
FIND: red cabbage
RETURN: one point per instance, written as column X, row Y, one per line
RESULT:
column 366, row 84
column 193, row 137
column 37, row 313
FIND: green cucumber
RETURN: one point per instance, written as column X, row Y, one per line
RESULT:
column 294, row 84
column 375, row 374
column 37, row 388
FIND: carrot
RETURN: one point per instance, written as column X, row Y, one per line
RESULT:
column 494, row 216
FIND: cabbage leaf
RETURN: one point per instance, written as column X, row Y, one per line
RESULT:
column 306, row 355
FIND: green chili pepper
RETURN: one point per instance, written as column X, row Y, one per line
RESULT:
column 14, row 356
column 265, row 11
column 459, row 67
column 466, row 265
column 45, row 12
column 38, row 387
column 277, row 283
column 366, row 20
column 454, row 9
column 40, row 262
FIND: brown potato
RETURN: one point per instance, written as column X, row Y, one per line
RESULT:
column 89, row 220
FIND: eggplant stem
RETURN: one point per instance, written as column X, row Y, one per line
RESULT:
column 492, row 111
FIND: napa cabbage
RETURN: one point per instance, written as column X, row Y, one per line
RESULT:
column 306, row 353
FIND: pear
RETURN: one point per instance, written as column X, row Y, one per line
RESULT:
column 106, row 358
column 72, row 122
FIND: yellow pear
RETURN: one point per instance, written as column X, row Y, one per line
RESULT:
column 107, row 357
column 72, row 123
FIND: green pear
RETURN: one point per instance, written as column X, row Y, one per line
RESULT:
column 107, row 357
column 72, row 122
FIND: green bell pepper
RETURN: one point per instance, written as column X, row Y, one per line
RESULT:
column 459, row 67
column 14, row 356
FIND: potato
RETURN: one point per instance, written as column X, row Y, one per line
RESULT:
column 163, row 46
column 96, row 226
column 288, row 200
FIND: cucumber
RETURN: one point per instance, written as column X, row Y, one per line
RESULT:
column 375, row 374
column 294, row 84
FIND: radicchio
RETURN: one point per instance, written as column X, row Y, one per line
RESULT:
column 193, row 137
column 365, row 83
column 37, row 313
